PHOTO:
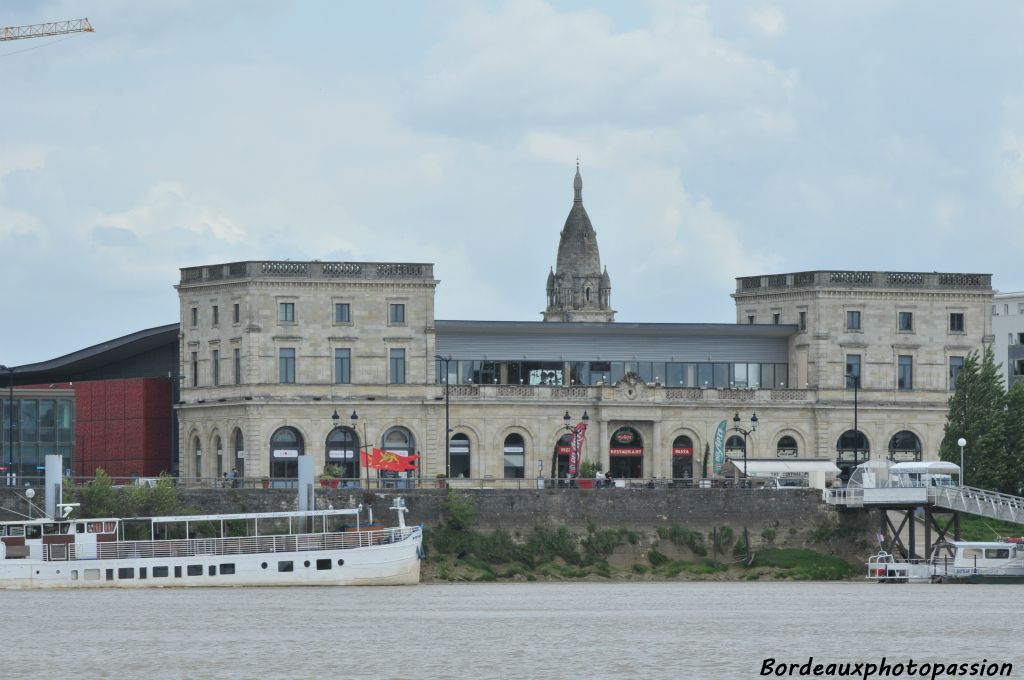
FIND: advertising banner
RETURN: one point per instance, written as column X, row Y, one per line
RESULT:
column 719, row 457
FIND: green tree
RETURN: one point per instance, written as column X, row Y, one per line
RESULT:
column 1015, row 433
column 977, row 412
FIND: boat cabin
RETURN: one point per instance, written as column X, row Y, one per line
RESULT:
column 924, row 474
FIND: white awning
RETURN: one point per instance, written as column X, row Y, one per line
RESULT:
column 775, row 467
column 935, row 467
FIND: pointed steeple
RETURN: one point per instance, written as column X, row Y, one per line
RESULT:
column 577, row 288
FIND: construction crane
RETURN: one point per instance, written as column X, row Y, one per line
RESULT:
column 45, row 30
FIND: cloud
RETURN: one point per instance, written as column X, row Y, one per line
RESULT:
column 770, row 22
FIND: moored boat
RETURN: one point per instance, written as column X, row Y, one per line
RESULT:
column 321, row 547
column 955, row 561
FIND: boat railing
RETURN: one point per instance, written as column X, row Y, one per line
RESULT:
column 238, row 545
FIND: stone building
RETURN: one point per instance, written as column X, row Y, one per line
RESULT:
column 324, row 358
column 1008, row 330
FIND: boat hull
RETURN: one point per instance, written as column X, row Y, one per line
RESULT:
column 391, row 564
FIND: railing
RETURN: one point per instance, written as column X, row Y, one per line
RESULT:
column 242, row 545
column 865, row 279
column 307, row 270
column 979, row 502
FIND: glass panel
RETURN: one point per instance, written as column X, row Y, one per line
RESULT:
column 675, row 376
column 721, row 375
column 29, row 420
column 705, row 375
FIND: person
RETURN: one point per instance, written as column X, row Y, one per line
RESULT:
column 224, row 481
column 231, row 478
column 599, row 480
column 608, row 480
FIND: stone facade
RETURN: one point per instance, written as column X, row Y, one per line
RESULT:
column 1008, row 330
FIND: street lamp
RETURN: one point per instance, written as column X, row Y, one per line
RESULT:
column 746, row 433
column 10, row 422
column 447, row 427
column 961, row 443
column 355, row 420
column 855, row 379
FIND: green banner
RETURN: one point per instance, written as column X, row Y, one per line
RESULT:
column 719, row 459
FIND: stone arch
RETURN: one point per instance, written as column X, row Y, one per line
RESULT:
column 904, row 445
column 287, row 443
column 237, row 447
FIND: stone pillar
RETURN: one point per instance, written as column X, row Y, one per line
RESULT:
column 658, row 460
column 602, row 444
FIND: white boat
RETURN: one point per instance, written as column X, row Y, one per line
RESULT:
column 322, row 547
column 955, row 562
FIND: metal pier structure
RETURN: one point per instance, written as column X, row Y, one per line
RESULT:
column 937, row 507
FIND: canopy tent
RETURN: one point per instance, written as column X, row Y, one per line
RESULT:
column 818, row 471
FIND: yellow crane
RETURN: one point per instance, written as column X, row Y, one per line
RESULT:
column 44, row 30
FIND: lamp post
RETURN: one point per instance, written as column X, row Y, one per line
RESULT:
column 961, row 443
column 10, row 422
column 855, row 379
column 355, row 421
column 746, row 433
column 447, row 427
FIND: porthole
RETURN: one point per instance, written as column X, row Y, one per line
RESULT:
column 341, row 563
column 263, row 565
column 306, row 563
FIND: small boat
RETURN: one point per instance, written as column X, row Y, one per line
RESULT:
column 954, row 561
column 312, row 548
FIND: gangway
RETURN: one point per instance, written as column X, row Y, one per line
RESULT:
column 990, row 504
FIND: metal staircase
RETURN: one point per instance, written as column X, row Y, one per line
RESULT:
column 991, row 504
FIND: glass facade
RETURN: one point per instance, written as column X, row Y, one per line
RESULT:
column 42, row 427
column 738, row 375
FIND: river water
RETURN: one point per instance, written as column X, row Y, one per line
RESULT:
column 584, row 631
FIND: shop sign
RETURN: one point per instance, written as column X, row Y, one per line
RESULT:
column 340, row 453
column 624, row 437
column 630, row 451
column 684, row 451
column 563, row 450
column 286, row 453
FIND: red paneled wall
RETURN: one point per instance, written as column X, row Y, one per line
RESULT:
column 123, row 426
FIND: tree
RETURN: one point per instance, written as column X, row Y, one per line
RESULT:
column 977, row 412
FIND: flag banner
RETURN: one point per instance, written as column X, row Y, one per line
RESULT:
column 576, row 445
column 379, row 459
column 719, row 459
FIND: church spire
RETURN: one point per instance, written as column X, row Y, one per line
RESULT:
column 577, row 290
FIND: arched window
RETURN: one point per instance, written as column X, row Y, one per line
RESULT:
column 626, row 454
column 786, row 448
column 239, row 455
column 515, row 457
column 682, row 458
column 904, row 446
column 459, row 455
column 397, row 440
column 218, row 451
column 198, row 450
column 286, row 445
column 560, row 457
column 851, row 450
column 342, row 451
column 734, row 446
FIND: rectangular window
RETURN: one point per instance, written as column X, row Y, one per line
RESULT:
column 342, row 366
column 285, row 566
column 92, row 574
column 110, row 574
column 286, row 312
column 211, row 570
column 216, row 315
column 287, row 364
column 342, row 312
column 852, row 320
column 853, row 370
column 905, row 322
column 142, row 572
column 906, row 373
column 177, row 572
column 236, row 314
column 160, row 572
column 955, row 364
column 195, row 570
column 803, row 320
column 228, row 568
column 323, row 564
column 397, row 366
column 750, row 318
column 216, row 367
column 238, row 366
column 126, row 573
column 776, row 318
column 195, row 317
column 195, row 369
column 956, row 322
column 396, row 314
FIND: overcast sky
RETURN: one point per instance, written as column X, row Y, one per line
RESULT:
column 716, row 141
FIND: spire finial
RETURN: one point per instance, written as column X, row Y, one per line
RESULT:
column 577, row 185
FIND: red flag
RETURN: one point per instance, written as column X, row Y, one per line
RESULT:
column 576, row 445
column 380, row 459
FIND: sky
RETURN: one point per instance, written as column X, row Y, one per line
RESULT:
column 715, row 140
